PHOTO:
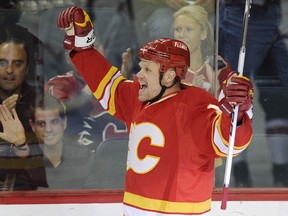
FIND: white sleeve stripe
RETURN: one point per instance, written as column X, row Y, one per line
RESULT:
column 250, row 112
column 107, row 92
column 219, row 142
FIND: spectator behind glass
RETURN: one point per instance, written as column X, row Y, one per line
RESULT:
column 191, row 25
column 266, row 41
column 10, row 27
column 67, row 163
column 89, row 123
column 17, row 173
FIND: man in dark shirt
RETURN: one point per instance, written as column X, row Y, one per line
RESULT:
column 17, row 173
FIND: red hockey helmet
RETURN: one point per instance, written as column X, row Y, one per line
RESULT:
column 168, row 53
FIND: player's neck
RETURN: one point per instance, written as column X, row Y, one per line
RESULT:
column 174, row 89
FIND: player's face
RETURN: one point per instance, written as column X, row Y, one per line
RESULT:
column 13, row 67
column 186, row 29
column 148, row 77
column 49, row 127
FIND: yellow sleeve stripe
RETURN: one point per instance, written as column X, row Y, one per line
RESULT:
column 220, row 145
column 108, row 86
column 167, row 206
column 103, row 84
column 112, row 108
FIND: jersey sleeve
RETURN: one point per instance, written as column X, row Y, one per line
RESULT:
column 106, row 81
column 220, row 133
column 213, row 130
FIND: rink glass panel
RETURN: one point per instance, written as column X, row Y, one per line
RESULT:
column 94, row 164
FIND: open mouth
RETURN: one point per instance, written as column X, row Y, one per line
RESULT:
column 9, row 79
column 143, row 86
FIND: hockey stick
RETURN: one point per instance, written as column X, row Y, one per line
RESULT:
column 235, row 113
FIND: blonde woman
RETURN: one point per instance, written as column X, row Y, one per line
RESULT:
column 191, row 25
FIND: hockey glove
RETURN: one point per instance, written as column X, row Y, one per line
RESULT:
column 78, row 27
column 237, row 90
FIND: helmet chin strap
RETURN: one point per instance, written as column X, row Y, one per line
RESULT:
column 163, row 89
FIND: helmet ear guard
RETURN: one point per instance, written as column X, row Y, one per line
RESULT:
column 169, row 53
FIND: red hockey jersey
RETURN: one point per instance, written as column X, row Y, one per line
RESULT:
column 173, row 142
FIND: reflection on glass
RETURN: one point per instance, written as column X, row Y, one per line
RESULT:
column 265, row 63
column 265, row 164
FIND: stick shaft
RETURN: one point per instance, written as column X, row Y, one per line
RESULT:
column 240, row 68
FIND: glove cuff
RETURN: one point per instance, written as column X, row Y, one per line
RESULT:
column 85, row 42
column 68, row 42
column 225, row 107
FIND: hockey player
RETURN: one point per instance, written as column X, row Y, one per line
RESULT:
column 175, row 131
